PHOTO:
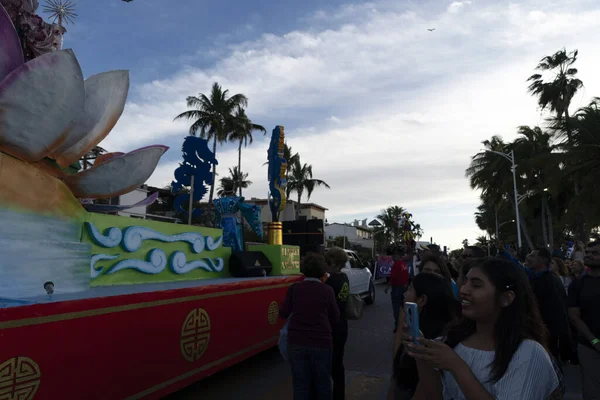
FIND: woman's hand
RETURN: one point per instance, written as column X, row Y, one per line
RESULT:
column 440, row 355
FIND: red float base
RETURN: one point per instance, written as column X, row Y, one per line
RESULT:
column 135, row 346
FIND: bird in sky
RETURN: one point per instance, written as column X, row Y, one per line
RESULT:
column 431, row 29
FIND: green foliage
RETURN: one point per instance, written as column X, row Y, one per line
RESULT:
column 301, row 179
column 558, row 166
column 213, row 117
column 231, row 184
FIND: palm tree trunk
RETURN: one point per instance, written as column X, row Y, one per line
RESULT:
column 544, row 227
column 240, row 167
column 526, row 233
column 550, row 228
column 298, row 205
column 579, row 218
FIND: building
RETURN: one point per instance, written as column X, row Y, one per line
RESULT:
column 358, row 233
column 161, row 210
column 307, row 210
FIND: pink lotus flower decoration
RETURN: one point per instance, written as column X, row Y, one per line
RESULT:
column 47, row 110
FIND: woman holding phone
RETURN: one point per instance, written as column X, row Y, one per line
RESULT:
column 497, row 351
column 436, row 308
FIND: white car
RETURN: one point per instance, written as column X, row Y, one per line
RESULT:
column 360, row 278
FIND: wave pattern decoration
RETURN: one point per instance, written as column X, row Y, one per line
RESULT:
column 135, row 236
column 180, row 265
column 111, row 239
column 214, row 244
column 157, row 261
column 94, row 273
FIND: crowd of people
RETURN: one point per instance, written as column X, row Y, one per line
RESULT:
column 490, row 327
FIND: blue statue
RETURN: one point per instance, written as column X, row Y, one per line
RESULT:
column 227, row 209
column 197, row 162
column 277, row 172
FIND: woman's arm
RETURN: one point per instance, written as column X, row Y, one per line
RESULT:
column 430, row 383
column 470, row 386
column 286, row 307
column 439, row 355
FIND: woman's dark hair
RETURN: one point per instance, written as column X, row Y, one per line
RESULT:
column 439, row 261
column 466, row 265
column 562, row 268
column 440, row 310
column 519, row 321
column 313, row 266
column 336, row 258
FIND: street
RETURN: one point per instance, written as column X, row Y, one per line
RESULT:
column 368, row 361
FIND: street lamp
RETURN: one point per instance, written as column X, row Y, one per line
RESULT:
column 511, row 157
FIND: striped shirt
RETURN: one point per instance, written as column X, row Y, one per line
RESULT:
column 530, row 374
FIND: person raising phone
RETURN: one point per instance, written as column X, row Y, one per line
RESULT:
column 490, row 354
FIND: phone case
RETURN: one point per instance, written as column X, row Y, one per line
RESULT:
column 412, row 320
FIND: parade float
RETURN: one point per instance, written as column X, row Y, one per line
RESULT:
column 98, row 306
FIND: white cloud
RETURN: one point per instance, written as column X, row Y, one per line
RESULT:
column 456, row 6
column 410, row 106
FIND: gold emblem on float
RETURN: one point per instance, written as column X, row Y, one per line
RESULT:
column 273, row 312
column 195, row 335
column 19, row 379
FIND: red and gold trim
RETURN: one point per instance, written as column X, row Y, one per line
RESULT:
column 137, row 346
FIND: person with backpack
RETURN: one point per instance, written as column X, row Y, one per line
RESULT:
column 336, row 259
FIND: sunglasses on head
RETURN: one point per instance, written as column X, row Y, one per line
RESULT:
column 591, row 253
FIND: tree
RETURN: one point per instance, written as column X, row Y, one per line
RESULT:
column 241, row 131
column 301, row 179
column 465, row 243
column 230, row 184
column 557, row 93
column 212, row 117
column 91, row 155
column 389, row 218
column 534, row 150
column 482, row 241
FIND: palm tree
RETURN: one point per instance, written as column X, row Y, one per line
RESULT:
column 390, row 217
column 241, row 130
column 92, row 155
column 212, row 117
column 583, row 165
column 230, row 184
column 558, row 93
column 482, row 241
column 492, row 175
column 301, row 179
column 538, row 165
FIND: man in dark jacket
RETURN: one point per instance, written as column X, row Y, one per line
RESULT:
column 552, row 302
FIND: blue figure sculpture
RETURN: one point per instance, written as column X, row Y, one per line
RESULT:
column 277, row 172
column 227, row 209
column 197, row 162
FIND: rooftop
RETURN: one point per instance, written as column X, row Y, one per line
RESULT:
column 256, row 200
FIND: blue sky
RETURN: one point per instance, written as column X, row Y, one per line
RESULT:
column 387, row 112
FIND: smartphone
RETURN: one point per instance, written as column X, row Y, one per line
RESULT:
column 412, row 320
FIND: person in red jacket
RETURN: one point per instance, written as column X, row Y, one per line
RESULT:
column 399, row 283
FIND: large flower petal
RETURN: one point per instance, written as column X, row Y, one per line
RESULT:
column 11, row 53
column 118, row 175
column 107, row 156
column 40, row 102
column 105, row 97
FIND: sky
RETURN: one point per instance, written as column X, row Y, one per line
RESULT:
column 386, row 111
